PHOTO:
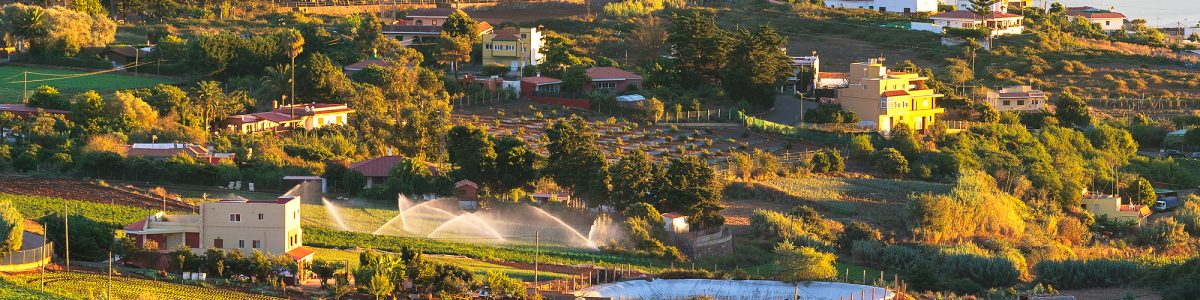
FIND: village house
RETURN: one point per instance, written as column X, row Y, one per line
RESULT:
column 675, row 222
column 1108, row 20
column 163, row 151
column 424, row 25
column 513, row 48
column 376, row 170
column 883, row 98
column 905, row 6
column 467, row 193
column 612, row 80
column 123, row 55
column 307, row 116
column 1110, row 206
column 270, row 226
column 1017, row 98
column 999, row 22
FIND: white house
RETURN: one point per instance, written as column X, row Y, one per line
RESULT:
column 1000, row 23
column 1107, row 19
column 1001, row 6
column 904, row 6
column 675, row 222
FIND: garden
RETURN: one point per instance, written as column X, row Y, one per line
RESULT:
column 70, row 82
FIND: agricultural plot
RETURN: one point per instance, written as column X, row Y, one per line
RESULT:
column 33, row 207
column 12, row 291
column 874, row 200
column 79, row 285
column 478, row 267
column 528, row 121
column 85, row 190
column 68, row 82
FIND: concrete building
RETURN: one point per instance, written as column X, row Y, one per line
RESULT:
column 421, row 26
column 162, row 151
column 1108, row 20
column 513, row 48
column 272, row 227
column 904, row 6
column 1017, row 98
column 307, row 116
column 999, row 22
column 883, row 98
column 675, row 222
column 1110, row 206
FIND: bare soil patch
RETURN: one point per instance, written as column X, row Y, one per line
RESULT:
column 75, row 189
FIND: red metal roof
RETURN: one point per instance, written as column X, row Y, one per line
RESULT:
column 301, row 253
column 1098, row 15
column 895, row 93
column 673, row 215
column 25, row 110
column 966, row 15
column 610, row 73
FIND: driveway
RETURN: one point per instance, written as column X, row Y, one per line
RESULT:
column 787, row 110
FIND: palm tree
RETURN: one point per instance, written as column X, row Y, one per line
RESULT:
column 275, row 83
column 29, row 24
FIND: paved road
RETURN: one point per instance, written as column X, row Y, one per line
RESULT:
column 787, row 110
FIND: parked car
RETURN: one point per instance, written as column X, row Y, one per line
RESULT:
column 1195, row 155
column 1172, row 153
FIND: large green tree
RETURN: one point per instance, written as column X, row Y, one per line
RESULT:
column 692, row 187
column 576, row 160
column 756, row 66
column 319, row 80
column 12, row 227
column 699, row 45
column 459, row 24
column 1071, row 110
column 516, row 164
column 471, row 150
column 639, row 179
column 557, row 55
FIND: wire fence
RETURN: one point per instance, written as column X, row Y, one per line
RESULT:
column 28, row 256
column 702, row 116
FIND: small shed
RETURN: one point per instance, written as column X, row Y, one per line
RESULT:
column 675, row 222
column 468, row 194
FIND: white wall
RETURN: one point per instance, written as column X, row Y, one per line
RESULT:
column 899, row 6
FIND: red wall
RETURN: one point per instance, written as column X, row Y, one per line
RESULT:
column 192, row 239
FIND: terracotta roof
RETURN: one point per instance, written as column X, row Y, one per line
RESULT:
column 431, row 30
column 539, row 80
column 301, row 253
column 673, row 215
column 838, row 75
column 366, row 63
column 1029, row 94
column 966, row 15
column 137, row 226
column 376, row 167
column 483, row 27
column 25, row 110
column 895, row 93
column 610, row 73
column 273, row 116
column 505, row 37
column 431, row 12
column 464, row 182
column 1097, row 14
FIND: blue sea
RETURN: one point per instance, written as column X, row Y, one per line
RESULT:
column 1158, row 13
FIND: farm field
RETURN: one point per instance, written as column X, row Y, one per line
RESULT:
column 68, row 82
column 12, row 291
column 528, row 120
column 32, row 207
column 84, row 190
column 869, row 199
column 477, row 267
column 80, row 285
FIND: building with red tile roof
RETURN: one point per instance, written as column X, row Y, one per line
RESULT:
column 377, row 170
column 1107, row 20
column 308, row 116
column 1017, row 98
column 1000, row 23
column 612, row 80
column 22, row 110
column 163, row 151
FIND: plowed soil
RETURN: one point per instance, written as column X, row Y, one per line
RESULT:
column 83, row 190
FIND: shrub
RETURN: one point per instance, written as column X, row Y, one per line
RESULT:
column 1163, row 232
column 985, row 271
column 860, row 146
column 1189, row 216
column 866, row 250
column 12, row 227
column 858, row 231
column 890, row 161
column 803, row 263
column 1098, row 273
column 494, row 70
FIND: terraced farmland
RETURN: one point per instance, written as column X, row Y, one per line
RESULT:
column 79, row 285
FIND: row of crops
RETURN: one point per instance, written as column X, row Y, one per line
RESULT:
column 78, row 285
column 35, row 206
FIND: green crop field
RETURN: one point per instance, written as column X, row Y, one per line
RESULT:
column 12, row 291
column 480, row 268
column 33, row 207
column 68, row 82
column 77, row 285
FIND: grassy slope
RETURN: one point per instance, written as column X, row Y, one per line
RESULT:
column 76, row 285
column 11, row 84
column 32, row 207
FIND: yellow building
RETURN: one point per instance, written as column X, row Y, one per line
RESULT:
column 1110, row 206
column 513, row 48
column 882, row 98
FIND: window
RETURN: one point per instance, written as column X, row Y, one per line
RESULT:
column 882, row 9
column 907, row 10
column 241, row 243
column 523, row 36
column 1020, row 102
column 260, row 216
column 218, row 243
column 1006, row 102
column 235, row 217
column 604, row 85
column 487, row 46
column 256, row 244
column 1106, row 23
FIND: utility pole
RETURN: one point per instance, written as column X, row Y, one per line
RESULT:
column 67, row 233
column 110, row 256
column 537, row 252
column 292, row 109
column 25, row 90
